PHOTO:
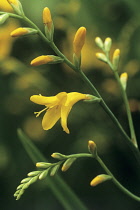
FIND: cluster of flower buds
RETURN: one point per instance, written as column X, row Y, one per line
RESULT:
column 105, row 47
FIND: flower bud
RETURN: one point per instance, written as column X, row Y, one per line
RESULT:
column 116, row 58
column 33, row 173
column 123, row 79
column 44, row 59
column 17, row 7
column 25, row 180
column 3, row 18
column 54, row 170
column 100, row 179
column 101, row 57
column 23, row 31
column 79, row 41
column 58, row 156
column 92, row 147
column 67, row 164
column 47, row 20
column 43, row 174
column 99, row 42
column 107, row 44
column 20, row 186
column 34, row 179
column 43, row 165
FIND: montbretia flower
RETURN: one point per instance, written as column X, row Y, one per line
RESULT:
column 57, row 107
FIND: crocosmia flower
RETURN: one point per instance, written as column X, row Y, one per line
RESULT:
column 57, row 107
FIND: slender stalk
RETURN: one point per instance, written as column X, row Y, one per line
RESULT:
column 125, row 99
column 116, row 182
column 131, row 125
column 85, row 79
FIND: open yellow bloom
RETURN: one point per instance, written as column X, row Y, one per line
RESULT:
column 57, row 107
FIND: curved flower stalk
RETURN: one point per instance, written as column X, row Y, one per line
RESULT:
column 65, row 162
column 122, row 80
column 57, row 107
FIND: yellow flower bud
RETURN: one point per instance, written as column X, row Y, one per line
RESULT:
column 79, row 41
column 44, row 59
column 123, row 79
column 58, row 156
column 100, row 179
column 92, row 147
column 23, row 31
column 115, row 59
column 43, row 165
column 47, row 19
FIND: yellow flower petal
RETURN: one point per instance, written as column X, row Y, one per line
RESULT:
column 65, row 110
column 51, row 117
column 62, row 97
column 43, row 100
column 74, row 97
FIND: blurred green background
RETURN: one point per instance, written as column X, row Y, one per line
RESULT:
column 118, row 19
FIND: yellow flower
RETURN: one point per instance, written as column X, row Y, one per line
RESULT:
column 57, row 107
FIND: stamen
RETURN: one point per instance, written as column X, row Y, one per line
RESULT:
column 38, row 113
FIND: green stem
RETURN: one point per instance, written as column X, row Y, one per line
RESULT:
column 125, row 99
column 85, row 79
column 116, row 182
column 130, row 121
